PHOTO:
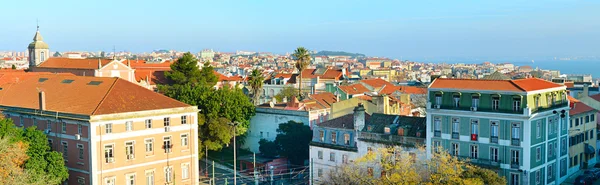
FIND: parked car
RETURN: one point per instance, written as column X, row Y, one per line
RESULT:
column 594, row 173
column 584, row 180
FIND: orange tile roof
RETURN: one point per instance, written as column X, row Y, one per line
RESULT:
column 580, row 107
column 15, row 76
column 354, row 89
column 111, row 95
column 141, row 64
column 376, row 82
column 329, row 74
column 73, row 63
column 521, row 85
column 155, row 77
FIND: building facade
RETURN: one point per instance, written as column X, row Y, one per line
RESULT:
column 517, row 128
column 108, row 130
column 582, row 136
column 38, row 50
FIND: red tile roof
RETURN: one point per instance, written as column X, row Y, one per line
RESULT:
column 108, row 96
column 354, row 89
column 596, row 97
column 140, row 64
column 329, row 74
column 155, row 77
column 521, row 85
column 580, row 107
column 73, row 63
column 15, row 76
column 376, row 82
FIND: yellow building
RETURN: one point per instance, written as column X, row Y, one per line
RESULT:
column 582, row 136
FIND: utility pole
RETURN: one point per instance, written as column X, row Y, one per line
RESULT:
column 234, row 157
column 271, row 168
column 254, row 169
column 206, row 160
column 311, row 171
column 213, row 173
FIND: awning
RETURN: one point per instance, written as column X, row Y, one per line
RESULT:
column 589, row 149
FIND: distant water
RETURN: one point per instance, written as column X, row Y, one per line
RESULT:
column 564, row 66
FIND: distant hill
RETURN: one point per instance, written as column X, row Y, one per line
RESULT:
column 339, row 53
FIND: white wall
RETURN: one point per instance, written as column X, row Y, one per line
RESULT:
column 325, row 164
column 267, row 123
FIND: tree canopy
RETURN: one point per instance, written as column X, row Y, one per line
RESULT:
column 292, row 141
column 41, row 162
column 287, row 92
column 218, row 107
column 256, row 82
column 302, row 57
column 400, row 167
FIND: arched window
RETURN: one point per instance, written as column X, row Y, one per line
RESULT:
column 42, row 56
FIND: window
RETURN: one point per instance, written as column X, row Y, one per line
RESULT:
column 320, row 154
column 347, row 139
column 149, row 145
column 475, row 101
column 321, row 135
column 514, row 179
column 455, row 128
column 333, row 137
column 551, row 126
column 593, row 117
column 592, row 134
column 587, row 118
column 436, row 146
column 516, row 105
column 130, row 179
column 455, row 149
column 150, row 178
column 108, row 128
column 494, row 133
column 549, row 99
column 538, row 153
column 494, row 154
column 576, row 121
column 65, row 150
column 474, row 129
column 148, row 123
column 550, row 149
column 185, row 171
column 320, row 172
column 128, row 126
column 563, row 171
column 129, row 150
column 345, row 159
column 169, row 174
column 550, row 171
column 332, row 156
column 80, row 148
column 495, row 103
column 437, row 127
column 48, row 125
column 167, row 144
column 183, row 120
column 167, row 122
column 109, row 180
column 20, row 120
column 184, row 140
column 474, row 151
column 79, row 128
column 538, row 177
column 538, row 129
column 63, row 127
column 108, row 153
column 50, row 143
column 456, row 100
column 80, row 180
column 261, row 134
column 34, row 122
column 514, row 158
column 438, row 99
column 563, row 146
column 516, row 132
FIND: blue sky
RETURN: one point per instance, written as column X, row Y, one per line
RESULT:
column 392, row 28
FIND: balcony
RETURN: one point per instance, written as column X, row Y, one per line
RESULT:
column 494, row 139
column 455, row 135
column 390, row 139
column 482, row 162
column 554, row 106
column 479, row 109
column 515, row 142
column 437, row 133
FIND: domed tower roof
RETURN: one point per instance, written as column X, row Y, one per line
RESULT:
column 38, row 42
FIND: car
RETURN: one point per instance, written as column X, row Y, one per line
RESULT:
column 584, row 180
column 594, row 172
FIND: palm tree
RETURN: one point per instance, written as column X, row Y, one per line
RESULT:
column 302, row 60
column 256, row 81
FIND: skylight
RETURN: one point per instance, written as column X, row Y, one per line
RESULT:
column 67, row 81
column 42, row 79
column 95, row 83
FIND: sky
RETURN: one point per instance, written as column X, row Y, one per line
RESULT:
column 391, row 28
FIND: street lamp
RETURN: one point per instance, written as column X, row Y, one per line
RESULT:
column 234, row 125
column 557, row 154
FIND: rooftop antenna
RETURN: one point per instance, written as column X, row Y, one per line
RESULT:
column 114, row 53
column 37, row 24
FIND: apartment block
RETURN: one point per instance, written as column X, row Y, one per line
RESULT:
column 517, row 128
column 110, row 131
column 582, row 136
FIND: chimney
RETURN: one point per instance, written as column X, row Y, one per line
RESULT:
column 359, row 117
column 585, row 90
column 42, row 100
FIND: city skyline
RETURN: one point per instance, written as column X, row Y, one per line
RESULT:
column 387, row 29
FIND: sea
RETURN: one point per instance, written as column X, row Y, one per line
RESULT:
column 564, row 66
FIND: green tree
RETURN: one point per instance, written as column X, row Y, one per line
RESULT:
column 42, row 162
column 268, row 148
column 293, row 138
column 13, row 67
column 256, row 81
column 287, row 92
column 302, row 61
column 218, row 108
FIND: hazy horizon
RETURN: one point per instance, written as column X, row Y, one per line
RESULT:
column 424, row 29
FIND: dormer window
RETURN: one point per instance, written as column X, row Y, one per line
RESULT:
column 438, row 99
column 495, row 102
column 475, row 101
column 516, row 104
column 333, row 138
column 456, row 99
column 321, row 136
